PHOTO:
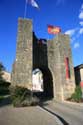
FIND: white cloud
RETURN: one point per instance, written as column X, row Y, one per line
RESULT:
column 82, row 6
column 81, row 15
column 73, row 39
column 81, row 23
column 81, row 12
column 81, row 31
column 76, row 45
column 70, row 32
column 76, row 32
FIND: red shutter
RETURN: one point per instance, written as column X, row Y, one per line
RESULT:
column 67, row 68
column 81, row 84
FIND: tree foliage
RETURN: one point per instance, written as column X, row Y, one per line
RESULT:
column 4, row 85
column 2, row 68
column 77, row 95
column 22, row 97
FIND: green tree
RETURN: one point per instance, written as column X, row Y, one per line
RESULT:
column 4, row 85
column 2, row 68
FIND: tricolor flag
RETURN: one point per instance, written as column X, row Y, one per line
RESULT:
column 33, row 3
column 53, row 29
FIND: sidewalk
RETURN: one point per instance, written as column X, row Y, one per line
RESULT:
column 77, row 106
column 25, row 116
column 73, row 103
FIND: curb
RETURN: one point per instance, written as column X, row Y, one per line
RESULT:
column 77, row 104
column 51, row 112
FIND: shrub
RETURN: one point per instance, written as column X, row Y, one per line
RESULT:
column 22, row 97
column 77, row 95
column 1, row 98
column 4, row 91
column 5, row 84
column 31, row 101
column 4, row 88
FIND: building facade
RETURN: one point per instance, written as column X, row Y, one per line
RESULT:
column 78, row 74
column 53, row 58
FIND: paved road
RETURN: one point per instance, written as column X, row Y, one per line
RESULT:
column 69, row 114
column 25, row 116
column 46, row 114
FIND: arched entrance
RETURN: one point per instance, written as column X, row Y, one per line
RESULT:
column 47, row 84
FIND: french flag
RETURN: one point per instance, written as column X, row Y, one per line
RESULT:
column 33, row 3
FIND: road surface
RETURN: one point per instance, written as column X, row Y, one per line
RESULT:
column 68, row 113
column 25, row 116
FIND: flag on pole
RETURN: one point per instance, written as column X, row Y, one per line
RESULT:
column 53, row 29
column 33, row 3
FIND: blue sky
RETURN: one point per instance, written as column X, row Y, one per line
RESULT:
column 68, row 14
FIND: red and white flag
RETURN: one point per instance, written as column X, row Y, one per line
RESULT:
column 53, row 29
column 33, row 3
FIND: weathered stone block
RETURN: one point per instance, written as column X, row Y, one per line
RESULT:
column 22, row 75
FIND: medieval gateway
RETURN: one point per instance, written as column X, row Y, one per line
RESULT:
column 54, row 59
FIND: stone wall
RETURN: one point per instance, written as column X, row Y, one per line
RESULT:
column 58, row 50
column 6, row 76
column 39, row 53
column 22, row 68
column 50, row 59
column 78, row 74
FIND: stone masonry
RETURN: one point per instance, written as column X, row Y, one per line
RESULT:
column 22, row 67
column 49, row 58
column 58, row 50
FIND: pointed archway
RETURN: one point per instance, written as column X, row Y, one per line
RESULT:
column 47, row 83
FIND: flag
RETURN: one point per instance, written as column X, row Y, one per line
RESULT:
column 33, row 3
column 53, row 29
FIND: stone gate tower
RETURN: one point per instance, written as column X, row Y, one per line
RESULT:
column 54, row 59
column 22, row 67
column 61, row 66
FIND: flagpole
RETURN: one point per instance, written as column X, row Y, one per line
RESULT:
column 25, row 11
